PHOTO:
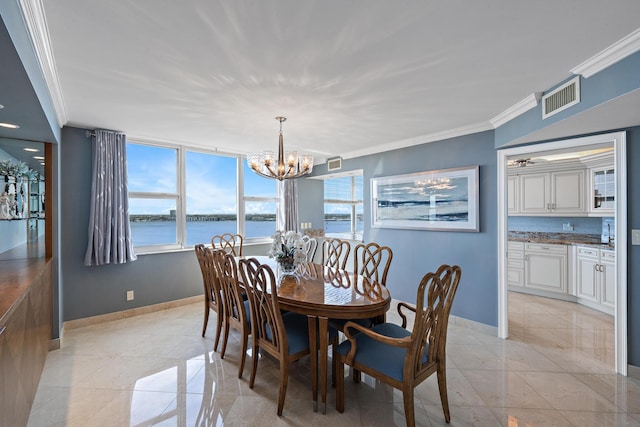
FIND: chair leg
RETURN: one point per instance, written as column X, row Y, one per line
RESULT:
column 339, row 386
column 206, row 318
column 243, row 355
column 409, row 414
column 357, row 376
column 254, row 362
column 225, row 338
column 218, row 330
column 442, row 386
column 284, row 379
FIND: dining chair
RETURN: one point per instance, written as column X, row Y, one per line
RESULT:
column 237, row 311
column 283, row 336
column 212, row 293
column 399, row 357
column 310, row 247
column 231, row 243
column 372, row 261
column 335, row 253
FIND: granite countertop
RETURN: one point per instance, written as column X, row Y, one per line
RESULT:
column 559, row 239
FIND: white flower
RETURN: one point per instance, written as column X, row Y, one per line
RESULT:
column 287, row 244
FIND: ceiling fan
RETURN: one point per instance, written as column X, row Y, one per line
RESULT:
column 520, row 163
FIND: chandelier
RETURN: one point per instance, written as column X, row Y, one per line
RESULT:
column 286, row 166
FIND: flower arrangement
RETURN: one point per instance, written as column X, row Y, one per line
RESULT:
column 19, row 169
column 288, row 249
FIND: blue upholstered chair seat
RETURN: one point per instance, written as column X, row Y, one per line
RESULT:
column 386, row 359
column 247, row 310
column 297, row 329
column 339, row 323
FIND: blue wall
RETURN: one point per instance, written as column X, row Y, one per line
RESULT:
column 633, row 252
column 417, row 252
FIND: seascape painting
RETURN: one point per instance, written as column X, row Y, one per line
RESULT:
column 438, row 200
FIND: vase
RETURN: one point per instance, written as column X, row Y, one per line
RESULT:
column 287, row 266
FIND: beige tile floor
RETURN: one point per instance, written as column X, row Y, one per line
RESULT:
column 155, row 369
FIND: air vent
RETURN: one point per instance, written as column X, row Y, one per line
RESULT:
column 561, row 98
column 334, row 164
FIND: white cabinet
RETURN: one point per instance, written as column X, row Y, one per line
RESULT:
column 595, row 277
column 515, row 264
column 545, row 267
column 553, row 193
column 513, row 195
column 602, row 190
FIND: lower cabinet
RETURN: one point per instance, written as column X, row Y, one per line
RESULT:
column 595, row 275
column 545, row 267
column 537, row 268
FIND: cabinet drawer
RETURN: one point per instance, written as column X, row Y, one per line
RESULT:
column 610, row 255
column 515, row 263
column 548, row 248
column 589, row 252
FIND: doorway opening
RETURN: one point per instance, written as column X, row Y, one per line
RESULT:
column 618, row 140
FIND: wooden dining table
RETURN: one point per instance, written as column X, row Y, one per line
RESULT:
column 322, row 293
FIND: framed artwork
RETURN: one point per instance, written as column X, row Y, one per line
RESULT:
column 444, row 199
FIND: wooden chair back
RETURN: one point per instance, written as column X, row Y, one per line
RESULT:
column 231, row 243
column 310, row 247
column 267, row 325
column 372, row 261
column 212, row 292
column 335, row 253
column 431, row 321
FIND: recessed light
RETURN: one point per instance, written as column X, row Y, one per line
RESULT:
column 1, row 106
column 9, row 126
column 38, row 157
column 33, row 150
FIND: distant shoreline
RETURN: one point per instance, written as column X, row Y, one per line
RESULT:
column 224, row 217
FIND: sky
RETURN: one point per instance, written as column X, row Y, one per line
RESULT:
column 210, row 182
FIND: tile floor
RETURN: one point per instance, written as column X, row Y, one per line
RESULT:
column 155, row 369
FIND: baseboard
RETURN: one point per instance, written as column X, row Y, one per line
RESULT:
column 633, row 372
column 94, row 320
column 476, row 326
column 54, row 344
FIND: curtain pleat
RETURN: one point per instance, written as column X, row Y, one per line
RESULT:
column 289, row 191
column 109, row 230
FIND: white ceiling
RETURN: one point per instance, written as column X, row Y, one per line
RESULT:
column 352, row 77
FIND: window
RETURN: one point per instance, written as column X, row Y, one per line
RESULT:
column 261, row 204
column 180, row 197
column 343, row 207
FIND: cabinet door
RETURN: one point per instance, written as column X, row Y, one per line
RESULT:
column 534, row 193
column 568, row 192
column 608, row 279
column 513, row 201
column 603, row 190
column 546, row 271
column 587, row 279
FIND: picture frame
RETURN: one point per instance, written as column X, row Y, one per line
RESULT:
column 442, row 200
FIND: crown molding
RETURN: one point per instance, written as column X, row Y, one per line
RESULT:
column 515, row 110
column 433, row 137
column 36, row 23
column 614, row 53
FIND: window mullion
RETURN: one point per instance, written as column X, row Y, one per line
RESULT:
column 240, row 200
column 181, row 205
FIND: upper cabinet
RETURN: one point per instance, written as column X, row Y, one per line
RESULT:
column 548, row 193
column 584, row 187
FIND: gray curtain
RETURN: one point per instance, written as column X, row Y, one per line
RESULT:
column 109, row 229
column 289, row 205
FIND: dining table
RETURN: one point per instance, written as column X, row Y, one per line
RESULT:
column 322, row 293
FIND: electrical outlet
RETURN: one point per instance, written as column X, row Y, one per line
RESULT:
column 635, row 237
column 129, row 295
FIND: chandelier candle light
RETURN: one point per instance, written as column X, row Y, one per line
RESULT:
column 289, row 165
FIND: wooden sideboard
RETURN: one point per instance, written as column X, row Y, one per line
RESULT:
column 25, row 331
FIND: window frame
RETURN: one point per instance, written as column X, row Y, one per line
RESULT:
column 181, row 191
column 354, row 202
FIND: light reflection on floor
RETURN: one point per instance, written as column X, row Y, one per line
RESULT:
column 156, row 369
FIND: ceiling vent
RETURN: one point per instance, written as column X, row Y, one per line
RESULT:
column 334, row 164
column 561, row 98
